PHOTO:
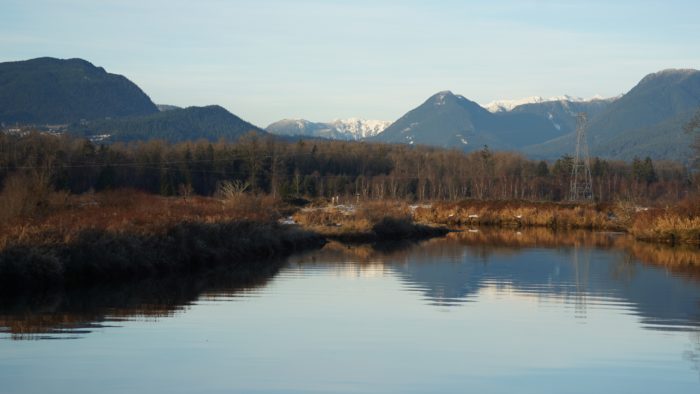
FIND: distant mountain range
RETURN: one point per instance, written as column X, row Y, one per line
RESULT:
column 340, row 129
column 646, row 121
column 449, row 120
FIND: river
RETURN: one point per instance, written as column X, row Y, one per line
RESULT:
column 527, row 311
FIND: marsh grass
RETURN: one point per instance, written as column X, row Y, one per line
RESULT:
column 675, row 224
column 521, row 214
column 366, row 222
column 119, row 236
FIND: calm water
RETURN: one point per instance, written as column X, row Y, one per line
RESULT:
column 501, row 312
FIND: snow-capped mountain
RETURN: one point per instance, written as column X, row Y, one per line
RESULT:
column 360, row 128
column 339, row 129
column 507, row 105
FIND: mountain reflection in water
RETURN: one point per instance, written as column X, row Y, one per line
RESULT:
column 659, row 284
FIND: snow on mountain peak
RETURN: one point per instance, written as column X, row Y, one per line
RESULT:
column 507, row 105
column 343, row 129
column 357, row 128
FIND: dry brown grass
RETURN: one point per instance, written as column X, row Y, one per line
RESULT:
column 337, row 220
column 520, row 213
column 676, row 224
column 366, row 222
column 125, row 235
column 132, row 212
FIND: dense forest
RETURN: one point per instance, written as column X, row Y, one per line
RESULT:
column 176, row 125
column 262, row 164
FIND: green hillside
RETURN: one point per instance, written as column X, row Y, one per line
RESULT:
column 51, row 91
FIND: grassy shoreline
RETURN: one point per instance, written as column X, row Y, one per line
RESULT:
column 126, row 235
column 678, row 224
column 98, row 256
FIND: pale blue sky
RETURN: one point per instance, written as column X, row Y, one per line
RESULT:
column 319, row 60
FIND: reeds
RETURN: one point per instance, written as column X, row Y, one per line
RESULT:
column 520, row 214
column 124, row 235
column 367, row 222
column 676, row 224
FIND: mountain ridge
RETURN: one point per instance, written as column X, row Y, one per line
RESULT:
column 342, row 129
column 50, row 90
column 211, row 122
column 645, row 121
column 506, row 105
column 449, row 120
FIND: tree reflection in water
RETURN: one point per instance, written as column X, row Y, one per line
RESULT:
column 447, row 271
column 64, row 315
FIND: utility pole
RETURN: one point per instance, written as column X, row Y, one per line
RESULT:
column 581, row 180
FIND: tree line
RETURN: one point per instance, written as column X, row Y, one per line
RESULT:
column 311, row 168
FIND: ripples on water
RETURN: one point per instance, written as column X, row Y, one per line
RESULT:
column 530, row 311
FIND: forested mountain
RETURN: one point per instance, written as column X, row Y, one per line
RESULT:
column 175, row 125
column 647, row 121
column 103, row 106
column 449, row 120
column 53, row 91
column 562, row 113
column 339, row 129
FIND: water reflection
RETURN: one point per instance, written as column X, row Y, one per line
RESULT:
column 69, row 315
column 580, row 270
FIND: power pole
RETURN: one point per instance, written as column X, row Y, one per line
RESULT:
column 581, row 180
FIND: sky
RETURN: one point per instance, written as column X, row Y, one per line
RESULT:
column 322, row 60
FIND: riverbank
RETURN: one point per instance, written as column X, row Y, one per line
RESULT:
column 366, row 223
column 123, row 236
column 127, row 235
column 676, row 224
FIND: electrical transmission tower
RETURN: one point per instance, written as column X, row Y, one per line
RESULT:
column 581, row 180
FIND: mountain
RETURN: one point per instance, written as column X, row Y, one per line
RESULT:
column 508, row 105
column 562, row 112
column 646, row 121
column 449, row 120
column 176, row 125
column 339, row 129
column 52, row 91
column 301, row 127
column 167, row 107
